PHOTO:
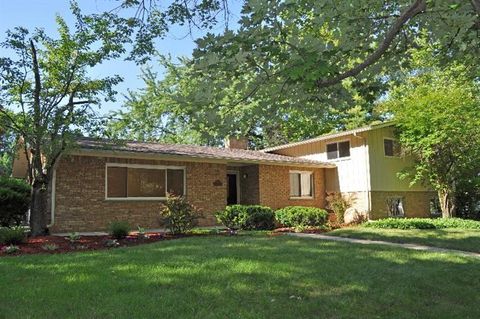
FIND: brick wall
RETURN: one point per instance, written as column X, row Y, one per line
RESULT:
column 274, row 187
column 80, row 203
column 249, row 191
column 415, row 204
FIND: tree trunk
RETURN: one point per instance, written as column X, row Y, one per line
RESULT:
column 38, row 209
column 447, row 203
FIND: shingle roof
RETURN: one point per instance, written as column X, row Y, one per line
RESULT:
column 194, row 151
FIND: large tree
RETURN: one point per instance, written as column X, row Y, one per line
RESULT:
column 47, row 82
column 436, row 112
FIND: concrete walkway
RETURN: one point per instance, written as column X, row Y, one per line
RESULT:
column 387, row 243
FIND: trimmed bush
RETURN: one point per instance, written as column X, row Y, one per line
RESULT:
column 119, row 229
column 247, row 217
column 300, row 216
column 14, row 201
column 423, row 223
column 178, row 215
column 12, row 236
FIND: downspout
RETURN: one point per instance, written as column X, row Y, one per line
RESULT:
column 52, row 194
column 367, row 170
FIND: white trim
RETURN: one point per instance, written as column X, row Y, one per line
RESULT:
column 237, row 174
column 344, row 158
column 144, row 166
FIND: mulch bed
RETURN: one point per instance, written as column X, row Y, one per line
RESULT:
column 41, row 244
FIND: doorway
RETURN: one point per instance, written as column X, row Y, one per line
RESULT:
column 233, row 189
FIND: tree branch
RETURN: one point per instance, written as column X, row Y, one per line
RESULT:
column 417, row 7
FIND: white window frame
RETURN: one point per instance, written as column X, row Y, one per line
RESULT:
column 145, row 166
column 395, row 141
column 338, row 150
column 312, row 186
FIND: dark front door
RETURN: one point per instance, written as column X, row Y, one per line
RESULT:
column 232, row 189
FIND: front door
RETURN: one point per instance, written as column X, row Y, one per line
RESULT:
column 232, row 191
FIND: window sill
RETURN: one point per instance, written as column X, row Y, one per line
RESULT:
column 339, row 159
column 301, row 197
column 134, row 199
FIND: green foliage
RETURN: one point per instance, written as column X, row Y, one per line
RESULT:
column 50, row 247
column 73, row 237
column 300, row 216
column 423, row 223
column 119, row 229
column 178, row 215
column 247, row 217
column 10, row 249
column 14, row 201
column 338, row 204
column 12, row 236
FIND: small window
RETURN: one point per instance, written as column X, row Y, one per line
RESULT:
column 338, row 150
column 301, row 184
column 395, row 207
column 137, row 181
column 392, row 147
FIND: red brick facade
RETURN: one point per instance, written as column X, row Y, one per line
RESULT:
column 80, row 203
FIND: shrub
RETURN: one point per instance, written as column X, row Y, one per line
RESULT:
column 247, row 217
column 73, row 237
column 14, row 201
column 50, row 247
column 12, row 236
column 301, row 217
column 119, row 229
column 423, row 223
column 178, row 215
column 11, row 249
column 338, row 204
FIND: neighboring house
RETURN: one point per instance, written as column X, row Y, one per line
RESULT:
column 367, row 161
column 100, row 181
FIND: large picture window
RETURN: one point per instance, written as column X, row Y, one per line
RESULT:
column 132, row 181
column 338, row 150
column 301, row 184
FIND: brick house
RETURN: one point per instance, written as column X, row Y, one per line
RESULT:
column 101, row 181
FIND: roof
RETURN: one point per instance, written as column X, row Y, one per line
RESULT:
column 330, row 136
column 193, row 151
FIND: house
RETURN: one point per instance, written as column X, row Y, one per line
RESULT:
column 367, row 162
column 100, row 181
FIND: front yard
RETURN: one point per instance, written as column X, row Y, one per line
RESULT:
column 241, row 277
column 461, row 239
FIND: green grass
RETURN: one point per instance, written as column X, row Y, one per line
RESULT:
column 241, row 277
column 461, row 239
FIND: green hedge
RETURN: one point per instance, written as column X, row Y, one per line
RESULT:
column 300, row 216
column 14, row 201
column 423, row 223
column 247, row 217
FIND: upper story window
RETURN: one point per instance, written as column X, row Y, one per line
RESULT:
column 301, row 184
column 132, row 181
column 392, row 147
column 338, row 150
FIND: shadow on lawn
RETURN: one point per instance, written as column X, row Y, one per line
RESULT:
column 233, row 277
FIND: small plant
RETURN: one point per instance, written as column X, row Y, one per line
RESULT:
column 11, row 249
column 111, row 243
column 178, row 215
column 247, row 217
column 141, row 234
column 423, row 223
column 12, row 236
column 300, row 216
column 50, row 247
column 119, row 229
column 338, row 204
column 73, row 237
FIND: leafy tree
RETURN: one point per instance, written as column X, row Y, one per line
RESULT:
column 7, row 146
column 436, row 112
column 47, row 82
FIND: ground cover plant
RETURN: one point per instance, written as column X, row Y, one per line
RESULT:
column 423, row 223
column 241, row 277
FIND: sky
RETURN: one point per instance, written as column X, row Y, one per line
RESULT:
column 41, row 13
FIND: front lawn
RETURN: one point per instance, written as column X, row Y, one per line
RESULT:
column 461, row 239
column 241, row 277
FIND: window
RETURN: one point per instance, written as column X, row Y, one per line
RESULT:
column 338, row 150
column 301, row 184
column 143, row 181
column 395, row 207
column 392, row 147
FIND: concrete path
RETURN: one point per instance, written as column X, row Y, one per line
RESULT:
column 387, row 243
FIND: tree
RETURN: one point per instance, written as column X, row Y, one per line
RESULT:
column 47, row 83
column 436, row 113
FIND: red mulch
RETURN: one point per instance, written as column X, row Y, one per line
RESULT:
column 37, row 245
